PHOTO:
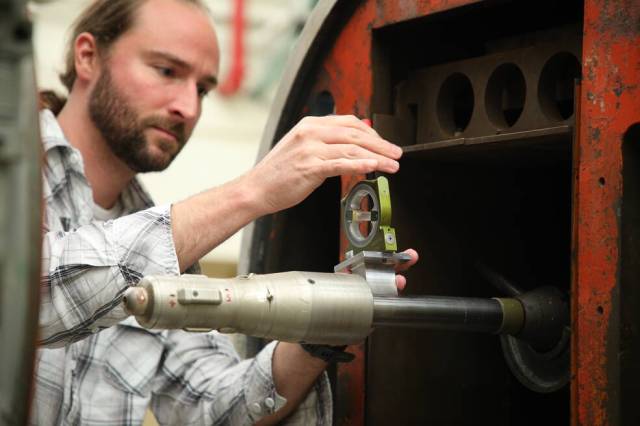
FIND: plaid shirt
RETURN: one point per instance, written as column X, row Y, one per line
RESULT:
column 111, row 377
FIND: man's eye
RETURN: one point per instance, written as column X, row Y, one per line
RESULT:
column 165, row 71
column 202, row 91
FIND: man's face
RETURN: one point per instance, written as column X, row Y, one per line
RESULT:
column 147, row 99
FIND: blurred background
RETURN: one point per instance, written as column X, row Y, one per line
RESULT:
column 225, row 142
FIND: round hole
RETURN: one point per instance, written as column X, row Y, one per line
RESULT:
column 195, row 293
column 601, row 181
column 600, row 310
column 323, row 104
column 455, row 104
column 505, row 95
column 366, row 205
column 557, row 84
column 361, row 215
column 311, row 281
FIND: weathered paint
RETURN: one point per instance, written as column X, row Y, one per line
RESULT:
column 610, row 103
column 391, row 12
column 348, row 77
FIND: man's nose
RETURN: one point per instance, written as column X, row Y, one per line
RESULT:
column 186, row 102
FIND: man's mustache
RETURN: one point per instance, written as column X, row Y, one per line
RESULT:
column 171, row 126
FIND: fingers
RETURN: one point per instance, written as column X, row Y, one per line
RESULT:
column 355, row 152
column 342, row 135
column 401, row 282
column 346, row 121
column 410, row 263
column 343, row 166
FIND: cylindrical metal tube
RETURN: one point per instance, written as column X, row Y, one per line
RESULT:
column 310, row 307
column 436, row 312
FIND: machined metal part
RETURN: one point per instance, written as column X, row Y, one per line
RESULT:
column 540, row 371
column 508, row 92
column 439, row 313
column 306, row 307
column 312, row 307
column 376, row 217
column 377, row 268
column 513, row 316
column 538, row 354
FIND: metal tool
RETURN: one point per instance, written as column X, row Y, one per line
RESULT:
column 342, row 307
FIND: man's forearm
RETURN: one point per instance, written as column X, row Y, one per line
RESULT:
column 294, row 373
column 203, row 221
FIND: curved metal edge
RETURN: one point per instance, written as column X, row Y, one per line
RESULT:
column 301, row 58
column 369, row 189
column 541, row 373
column 20, row 220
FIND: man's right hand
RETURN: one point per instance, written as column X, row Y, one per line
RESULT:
column 315, row 149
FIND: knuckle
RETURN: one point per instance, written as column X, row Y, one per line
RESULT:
column 353, row 152
column 354, row 135
column 302, row 130
column 304, row 152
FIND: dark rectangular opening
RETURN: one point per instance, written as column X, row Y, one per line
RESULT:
column 629, row 297
column 501, row 196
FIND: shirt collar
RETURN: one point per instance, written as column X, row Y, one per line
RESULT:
column 134, row 197
column 52, row 134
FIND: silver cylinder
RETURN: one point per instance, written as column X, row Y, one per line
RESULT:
column 323, row 308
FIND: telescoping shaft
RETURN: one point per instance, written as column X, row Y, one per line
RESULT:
column 307, row 306
column 449, row 313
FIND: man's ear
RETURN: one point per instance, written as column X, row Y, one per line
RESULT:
column 86, row 57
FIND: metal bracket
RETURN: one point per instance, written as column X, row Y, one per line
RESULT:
column 377, row 268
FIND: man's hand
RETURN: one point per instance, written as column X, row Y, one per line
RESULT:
column 315, row 149
column 401, row 281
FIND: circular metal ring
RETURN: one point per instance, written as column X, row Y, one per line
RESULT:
column 542, row 372
column 353, row 203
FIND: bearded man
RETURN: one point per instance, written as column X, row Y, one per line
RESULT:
column 137, row 71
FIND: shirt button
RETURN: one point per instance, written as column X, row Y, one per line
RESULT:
column 269, row 403
column 256, row 408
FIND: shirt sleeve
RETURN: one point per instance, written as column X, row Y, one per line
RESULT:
column 203, row 381
column 87, row 270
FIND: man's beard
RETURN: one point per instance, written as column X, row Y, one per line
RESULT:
column 123, row 129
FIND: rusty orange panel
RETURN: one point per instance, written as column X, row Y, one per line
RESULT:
column 390, row 12
column 610, row 103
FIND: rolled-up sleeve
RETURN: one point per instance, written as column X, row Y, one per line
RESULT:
column 86, row 271
column 203, row 381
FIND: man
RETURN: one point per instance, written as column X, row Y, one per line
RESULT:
column 136, row 72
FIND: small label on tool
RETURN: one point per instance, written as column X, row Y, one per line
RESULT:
column 196, row 296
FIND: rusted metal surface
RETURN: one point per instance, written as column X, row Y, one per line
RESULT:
column 391, row 12
column 344, row 60
column 610, row 104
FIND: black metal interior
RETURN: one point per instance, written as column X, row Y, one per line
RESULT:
column 505, row 202
column 629, row 298
column 515, row 219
